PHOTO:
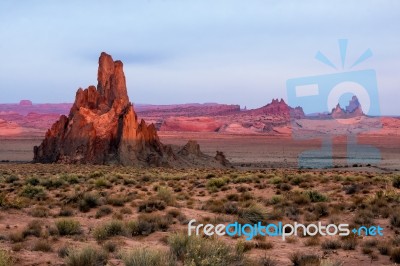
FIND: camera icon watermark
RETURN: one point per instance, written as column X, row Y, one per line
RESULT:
column 322, row 97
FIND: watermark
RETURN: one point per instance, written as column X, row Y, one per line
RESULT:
column 319, row 96
column 281, row 230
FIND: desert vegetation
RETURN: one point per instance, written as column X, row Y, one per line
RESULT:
column 109, row 215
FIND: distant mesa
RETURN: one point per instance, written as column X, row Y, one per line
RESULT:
column 102, row 128
column 25, row 103
column 279, row 108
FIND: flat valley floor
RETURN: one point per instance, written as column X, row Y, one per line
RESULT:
column 252, row 151
column 110, row 215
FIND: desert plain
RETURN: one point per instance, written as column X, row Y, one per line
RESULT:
column 57, row 214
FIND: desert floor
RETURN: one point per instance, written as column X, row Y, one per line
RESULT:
column 251, row 151
column 109, row 215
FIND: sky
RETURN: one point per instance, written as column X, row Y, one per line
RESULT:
column 185, row 51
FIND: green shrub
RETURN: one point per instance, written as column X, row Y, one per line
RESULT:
column 52, row 183
column 349, row 242
column 70, row 178
column 178, row 243
column 11, row 179
column 275, row 199
column 116, row 200
column 384, row 248
column 276, row 180
column 395, row 219
column 88, row 201
column 253, row 214
column 5, row 258
column 39, row 211
column 320, row 210
column 34, row 181
column 331, row 244
column 103, row 211
column 96, row 174
column 166, row 195
column 66, row 211
column 300, row 259
column 396, row 181
column 33, row 192
column 364, row 218
column 297, row 180
column 152, row 205
column 17, row 236
column 107, row 230
column 243, row 179
column 88, row 256
column 42, row 245
column 215, row 183
column 267, row 261
column 147, row 257
column 34, row 228
column 110, row 246
column 68, row 227
column 300, row 198
column 102, row 182
column 148, row 223
column 315, row 196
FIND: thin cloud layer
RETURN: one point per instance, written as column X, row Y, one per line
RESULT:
column 191, row 51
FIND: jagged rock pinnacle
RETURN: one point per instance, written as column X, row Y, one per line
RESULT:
column 103, row 128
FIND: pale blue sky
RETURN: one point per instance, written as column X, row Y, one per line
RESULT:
column 239, row 52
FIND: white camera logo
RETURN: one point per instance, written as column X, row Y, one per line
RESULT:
column 321, row 94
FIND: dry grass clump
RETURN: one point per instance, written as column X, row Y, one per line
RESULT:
column 152, row 205
column 109, row 229
column 147, row 257
column 194, row 250
column 148, row 223
column 5, row 258
column 103, row 211
column 88, row 201
column 68, row 227
column 88, row 256
column 395, row 255
column 42, row 245
column 331, row 244
column 302, row 259
column 253, row 214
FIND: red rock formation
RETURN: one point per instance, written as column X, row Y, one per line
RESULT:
column 353, row 104
column 102, row 126
column 353, row 109
column 189, row 110
column 191, row 124
column 279, row 108
column 220, row 157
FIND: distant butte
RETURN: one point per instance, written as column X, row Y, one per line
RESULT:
column 102, row 128
column 353, row 109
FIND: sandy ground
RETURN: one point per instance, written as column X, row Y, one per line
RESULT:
column 247, row 150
